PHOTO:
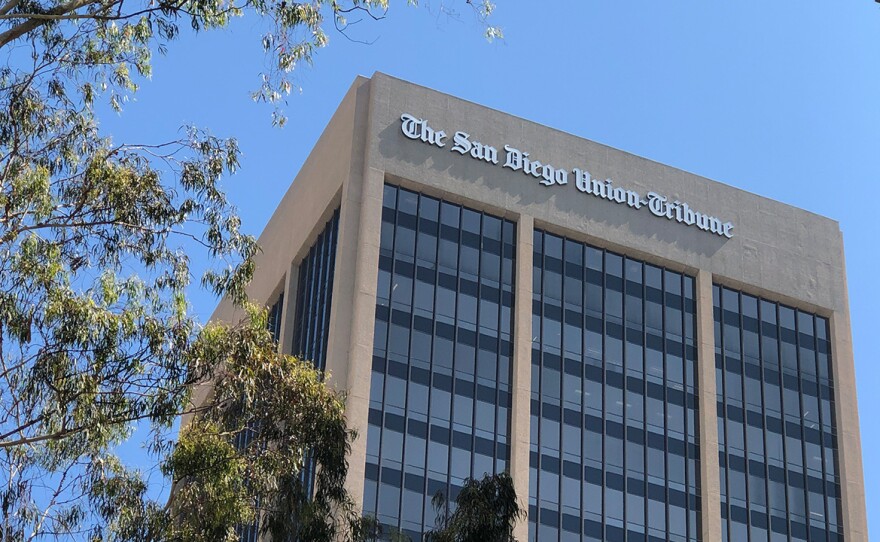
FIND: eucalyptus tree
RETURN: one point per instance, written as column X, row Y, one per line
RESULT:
column 485, row 510
column 97, row 344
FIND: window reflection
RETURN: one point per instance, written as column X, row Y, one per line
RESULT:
column 614, row 348
column 314, row 296
column 442, row 353
column 790, row 438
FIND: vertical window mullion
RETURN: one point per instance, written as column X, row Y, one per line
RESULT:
column 665, row 401
column 477, row 350
column 760, row 314
column 308, row 306
column 684, row 368
column 431, row 352
column 327, row 282
column 540, row 403
column 745, row 423
column 302, row 283
column 584, row 354
column 803, row 427
column 409, row 350
column 382, row 429
column 782, row 414
column 455, row 359
column 816, row 322
column 645, row 481
column 721, row 344
column 604, row 395
column 322, row 301
column 313, row 298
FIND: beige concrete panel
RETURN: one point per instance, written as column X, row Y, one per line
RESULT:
column 350, row 344
column 348, row 247
column 522, row 370
column 765, row 230
column 710, row 485
column 362, row 311
column 306, row 207
column 849, row 443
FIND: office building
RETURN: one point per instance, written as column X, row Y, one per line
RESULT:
column 652, row 355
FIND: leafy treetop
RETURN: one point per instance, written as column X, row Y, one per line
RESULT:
column 96, row 337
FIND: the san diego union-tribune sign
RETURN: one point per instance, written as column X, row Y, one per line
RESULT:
column 549, row 175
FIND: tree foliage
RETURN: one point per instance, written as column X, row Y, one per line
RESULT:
column 286, row 410
column 96, row 337
column 485, row 511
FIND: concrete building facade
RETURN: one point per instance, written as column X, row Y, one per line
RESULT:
column 652, row 355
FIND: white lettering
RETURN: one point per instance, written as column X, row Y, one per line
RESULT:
column 533, row 168
column 484, row 152
column 657, row 204
column 513, row 159
column 633, row 199
column 703, row 221
column 461, row 143
column 727, row 227
column 689, row 215
column 560, row 176
column 548, row 175
column 582, row 180
column 410, row 126
column 414, row 128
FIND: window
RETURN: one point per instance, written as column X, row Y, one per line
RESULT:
column 442, row 351
column 313, row 296
column 614, row 349
column 786, row 368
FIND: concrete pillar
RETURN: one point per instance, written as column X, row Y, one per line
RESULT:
column 522, row 369
column 849, row 444
column 710, row 485
column 350, row 351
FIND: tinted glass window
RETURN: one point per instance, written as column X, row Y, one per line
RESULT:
column 613, row 398
column 313, row 296
column 773, row 364
column 440, row 387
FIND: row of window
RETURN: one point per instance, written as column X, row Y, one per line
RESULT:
column 770, row 334
column 440, row 385
column 314, row 296
column 614, row 434
column 614, row 443
column 777, row 437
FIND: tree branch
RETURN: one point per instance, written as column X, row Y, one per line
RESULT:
column 9, row 6
column 66, row 433
column 20, row 30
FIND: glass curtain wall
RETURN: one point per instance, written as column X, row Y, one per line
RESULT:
column 440, row 388
column 776, row 431
column 311, row 326
column 614, row 445
column 313, row 297
column 274, row 320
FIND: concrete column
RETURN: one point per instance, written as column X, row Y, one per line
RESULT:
column 350, row 344
column 522, row 369
column 710, row 485
column 849, row 444
column 354, row 310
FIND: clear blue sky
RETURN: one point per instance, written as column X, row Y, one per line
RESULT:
column 779, row 98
